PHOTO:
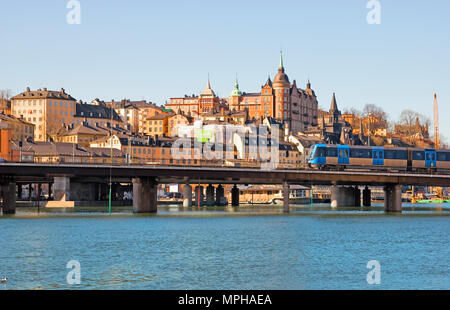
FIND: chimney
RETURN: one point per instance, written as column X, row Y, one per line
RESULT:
column 63, row 91
column 45, row 88
column 28, row 89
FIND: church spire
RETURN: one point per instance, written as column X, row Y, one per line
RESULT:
column 236, row 91
column 208, row 85
column 208, row 91
column 333, row 107
column 281, row 67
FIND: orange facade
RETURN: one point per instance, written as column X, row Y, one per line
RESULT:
column 5, row 144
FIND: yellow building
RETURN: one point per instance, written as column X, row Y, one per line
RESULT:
column 46, row 109
column 51, row 110
column 83, row 134
column 175, row 121
column 156, row 125
column 145, row 111
column 20, row 129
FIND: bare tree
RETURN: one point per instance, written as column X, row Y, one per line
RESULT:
column 353, row 111
column 444, row 142
column 5, row 104
column 5, row 94
column 55, row 130
column 375, row 112
column 409, row 118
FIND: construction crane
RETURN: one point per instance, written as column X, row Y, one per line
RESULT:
column 436, row 124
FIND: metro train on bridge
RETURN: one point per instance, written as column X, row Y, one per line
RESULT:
column 338, row 157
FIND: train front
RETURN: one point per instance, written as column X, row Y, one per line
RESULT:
column 317, row 156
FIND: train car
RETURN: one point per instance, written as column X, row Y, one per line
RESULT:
column 339, row 157
column 425, row 159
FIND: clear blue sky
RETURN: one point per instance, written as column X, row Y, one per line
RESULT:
column 155, row 50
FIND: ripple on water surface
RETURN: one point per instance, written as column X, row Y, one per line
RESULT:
column 316, row 248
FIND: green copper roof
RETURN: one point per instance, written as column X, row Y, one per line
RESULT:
column 236, row 91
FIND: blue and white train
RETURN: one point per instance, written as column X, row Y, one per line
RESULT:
column 338, row 157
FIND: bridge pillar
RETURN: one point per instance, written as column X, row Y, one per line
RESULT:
column 84, row 191
column 357, row 193
column 367, row 199
column 144, row 195
column 50, row 185
column 210, row 195
column 61, row 188
column 8, row 191
column 235, row 196
column 187, row 195
column 393, row 198
column 19, row 191
column 286, row 197
column 336, row 193
column 30, row 190
column 342, row 196
column 219, row 194
column 199, row 196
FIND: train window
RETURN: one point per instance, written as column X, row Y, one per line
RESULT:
column 402, row 154
column 428, row 156
column 443, row 156
column 389, row 155
column 395, row 154
column 322, row 152
column 359, row 153
column 332, row 152
column 417, row 155
column 433, row 156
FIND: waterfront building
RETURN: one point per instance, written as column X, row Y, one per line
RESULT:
column 176, row 121
column 95, row 114
column 58, row 153
column 20, row 129
column 82, row 134
column 332, row 127
column 134, row 113
column 226, row 117
column 280, row 99
column 157, row 125
column 46, row 109
column 51, row 110
column 5, row 144
column 206, row 103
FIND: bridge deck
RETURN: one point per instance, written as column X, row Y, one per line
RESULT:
column 23, row 172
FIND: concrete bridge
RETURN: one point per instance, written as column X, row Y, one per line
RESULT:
column 70, row 181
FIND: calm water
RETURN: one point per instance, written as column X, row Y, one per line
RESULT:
column 228, row 249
